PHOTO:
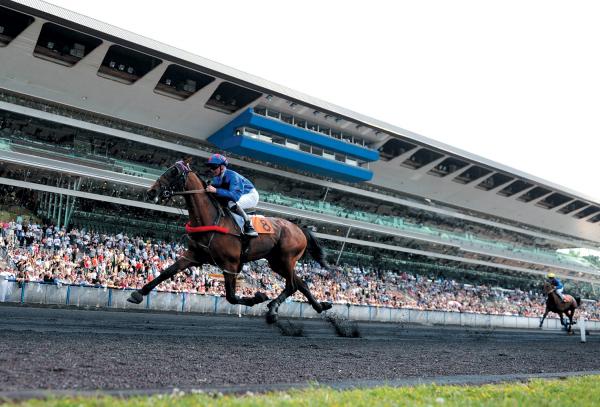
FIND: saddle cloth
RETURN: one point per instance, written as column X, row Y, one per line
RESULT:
column 568, row 298
column 261, row 224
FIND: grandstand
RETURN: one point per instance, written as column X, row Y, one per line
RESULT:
column 91, row 115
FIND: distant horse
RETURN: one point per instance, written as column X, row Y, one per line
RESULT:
column 216, row 239
column 556, row 305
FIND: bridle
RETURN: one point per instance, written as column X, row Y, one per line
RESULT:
column 171, row 188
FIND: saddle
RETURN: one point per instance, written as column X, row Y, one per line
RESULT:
column 260, row 223
column 568, row 298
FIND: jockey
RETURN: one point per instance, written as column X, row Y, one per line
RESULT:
column 556, row 283
column 229, row 184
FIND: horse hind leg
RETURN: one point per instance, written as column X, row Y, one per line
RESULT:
column 286, row 270
column 570, row 314
column 232, row 298
column 273, row 306
column 317, row 306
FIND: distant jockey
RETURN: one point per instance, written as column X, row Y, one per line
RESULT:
column 229, row 184
column 557, row 284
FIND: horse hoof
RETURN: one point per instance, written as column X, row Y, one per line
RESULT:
column 271, row 318
column 325, row 306
column 260, row 297
column 135, row 298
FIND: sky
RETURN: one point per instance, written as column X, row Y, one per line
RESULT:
column 517, row 82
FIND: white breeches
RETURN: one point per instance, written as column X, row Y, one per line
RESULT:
column 249, row 200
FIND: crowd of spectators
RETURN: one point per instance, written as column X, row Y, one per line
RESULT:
column 108, row 146
column 31, row 252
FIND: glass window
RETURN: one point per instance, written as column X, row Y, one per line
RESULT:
column 393, row 148
column 125, row 65
column 62, row 45
column 421, row 157
column 305, row 148
column 278, row 140
column 12, row 23
column 229, row 98
column 287, row 118
column 181, row 83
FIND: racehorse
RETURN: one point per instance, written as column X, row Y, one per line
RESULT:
column 556, row 305
column 216, row 239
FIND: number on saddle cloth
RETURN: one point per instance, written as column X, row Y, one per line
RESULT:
column 262, row 225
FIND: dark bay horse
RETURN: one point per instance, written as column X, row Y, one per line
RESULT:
column 220, row 243
column 556, row 305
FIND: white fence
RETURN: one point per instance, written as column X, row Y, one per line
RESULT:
column 51, row 294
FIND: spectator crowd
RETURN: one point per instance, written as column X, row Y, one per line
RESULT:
column 31, row 252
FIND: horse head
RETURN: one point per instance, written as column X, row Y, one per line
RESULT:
column 548, row 288
column 171, row 181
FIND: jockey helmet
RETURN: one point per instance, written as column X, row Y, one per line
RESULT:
column 550, row 275
column 216, row 160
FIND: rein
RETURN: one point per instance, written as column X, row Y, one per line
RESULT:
column 191, row 192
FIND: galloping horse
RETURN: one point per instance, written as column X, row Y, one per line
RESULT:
column 214, row 239
column 556, row 305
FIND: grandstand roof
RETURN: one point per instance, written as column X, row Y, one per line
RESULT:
column 419, row 166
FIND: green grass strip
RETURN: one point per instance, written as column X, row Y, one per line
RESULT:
column 576, row 391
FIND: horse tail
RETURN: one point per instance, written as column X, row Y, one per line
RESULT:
column 578, row 299
column 314, row 248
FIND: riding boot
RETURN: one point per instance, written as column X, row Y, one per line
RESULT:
column 248, row 228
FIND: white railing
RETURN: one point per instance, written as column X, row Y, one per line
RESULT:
column 93, row 297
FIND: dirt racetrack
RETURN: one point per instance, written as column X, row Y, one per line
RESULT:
column 72, row 349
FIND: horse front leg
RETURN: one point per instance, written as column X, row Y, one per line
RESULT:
column 544, row 317
column 182, row 263
column 232, row 298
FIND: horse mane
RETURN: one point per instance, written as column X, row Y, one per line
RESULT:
column 202, row 182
